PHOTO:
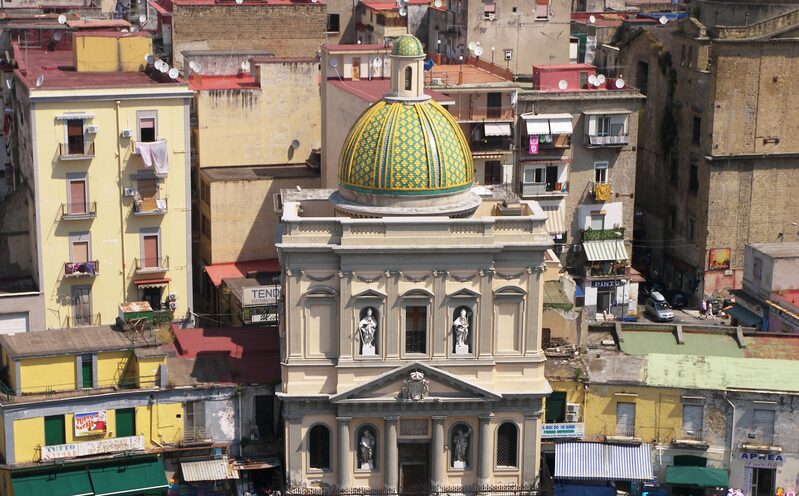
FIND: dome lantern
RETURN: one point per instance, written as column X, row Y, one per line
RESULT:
column 407, row 69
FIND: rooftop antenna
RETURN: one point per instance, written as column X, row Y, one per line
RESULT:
column 245, row 66
column 591, row 19
column 40, row 81
column 563, row 84
column 173, row 73
column 62, row 19
column 663, row 20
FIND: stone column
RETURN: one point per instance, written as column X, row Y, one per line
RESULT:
column 439, row 459
column 392, row 459
column 531, row 449
column 344, row 462
column 294, row 450
column 484, row 455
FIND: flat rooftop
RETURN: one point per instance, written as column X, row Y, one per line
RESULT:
column 464, row 74
column 199, row 82
column 375, row 89
column 778, row 250
column 64, row 341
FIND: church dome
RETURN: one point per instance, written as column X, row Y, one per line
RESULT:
column 405, row 148
column 407, row 46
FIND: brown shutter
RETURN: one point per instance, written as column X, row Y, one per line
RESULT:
column 77, row 197
column 80, row 252
column 75, row 127
column 148, row 191
column 150, row 251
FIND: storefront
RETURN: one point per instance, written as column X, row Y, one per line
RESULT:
column 593, row 467
column 690, row 476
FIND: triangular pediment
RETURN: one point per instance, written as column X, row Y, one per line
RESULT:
column 416, row 382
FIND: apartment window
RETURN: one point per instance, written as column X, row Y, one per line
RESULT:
column 194, row 423
column 87, row 371
column 408, row 78
column 489, row 10
column 77, row 196
column 625, row 419
column 673, row 170
column 148, row 197
column 82, row 305
column 541, row 10
column 75, row 140
column 672, row 218
column 689, row 229
column 507, row 435
column 597, row 222
column 79, row 249
column 757, row 268
column 333, row 23
column 533, row 175
column 416, row 329
column 147, row 120
column 690, row 58
column 603, row 125
column 600, row 172
column 682, row 55
column 264, row 414
column 493, row 172
column 692, row 421
column 643, row 76
column 151, row 250
column 126, row 422
column 205, row 192
column 556, row 408
column 319, row 447
column 763, row 425
column 697, row 130
column 55, row 430
column 494, row 105
column 693, row 181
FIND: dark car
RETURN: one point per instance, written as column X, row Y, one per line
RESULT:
column 677, row 299
column 648, row 288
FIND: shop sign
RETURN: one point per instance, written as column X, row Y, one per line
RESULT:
column 608, row 283
column 90, row 424
column 575, row 429
column 758, row 460
column 264, row 317
column 786, row 316
column 719, row 259
column 260, row 296
column 103, row 446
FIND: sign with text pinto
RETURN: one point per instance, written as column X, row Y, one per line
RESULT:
column 90, row 424
column 572, row 430
column 260, row 296
column 87, row 448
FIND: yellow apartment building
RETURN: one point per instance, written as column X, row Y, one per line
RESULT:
column 104, row 155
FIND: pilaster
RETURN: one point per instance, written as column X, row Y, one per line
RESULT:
column 484, row 446
column 344, row 461
column 392, row 456
column 531, row 437
column 438, row 465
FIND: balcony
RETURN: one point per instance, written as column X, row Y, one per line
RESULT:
column 484, row 145
column 67, row 151
column 543, row 189
column 477, row 113
column 689, row 439
column 595, row 141
column 600, row 234
column 150, row 265
column 623, row 435
column 152, row 207
column 84, row 269
column 762, row 443
column 78, row 211
column 606, row 269
column 196, row 436
column 601, row 191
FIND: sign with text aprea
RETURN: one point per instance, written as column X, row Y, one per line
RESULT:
column 90, row 424
column 575, row 430
column 257, row 296
column 103, row 446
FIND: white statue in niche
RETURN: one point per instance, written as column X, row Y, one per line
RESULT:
column 368, row 328
column 367, row 450
column 461, row 326
column 460, row 445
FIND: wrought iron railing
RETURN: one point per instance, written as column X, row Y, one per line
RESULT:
column 155, row 207
column 151, row 264
column 82, row 269
column 419, row 490
column 609, row 140
column 67, row 151
column 85, row 210
column 79, row 320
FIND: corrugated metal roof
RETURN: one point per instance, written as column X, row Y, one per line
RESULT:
column 605, row 249
column 603, row 461
column 208, row 470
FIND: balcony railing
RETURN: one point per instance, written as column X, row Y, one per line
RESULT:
column 542, row 189
column 689, row 438
column 477, row 113
column 606, row 269
column 83, row 269
column 196, row 435
column 72, row 152
column 77, row 211
column 609, row 140
column 151, row 264
column 491, row 145
column 81, row 319
column 158, row 207
column 601, row 191
column 757, row 441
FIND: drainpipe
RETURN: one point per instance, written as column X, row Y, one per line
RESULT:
column 732, row 426
column 121, row 195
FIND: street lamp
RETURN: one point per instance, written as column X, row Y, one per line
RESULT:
column 781, row 235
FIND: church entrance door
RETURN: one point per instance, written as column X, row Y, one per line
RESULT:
column 414, row 469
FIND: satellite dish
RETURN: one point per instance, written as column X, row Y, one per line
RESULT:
column 163, row 67
column 239, row 2
column 563, row 84
column 600, row 80
column 437, row 4
column 333, row 63
column 245, row 66
column 57, row 36
column 40, row 80
column 478, row 51
column 472, row 46
column 592, row 80
column 62, row 19
column 124, row 30
column 377, row 62
column 194, row 66
column 173, row 73
column 620, row 83
column 591, row 19
column 142, row 19
column 663, row 20
column 403, row 11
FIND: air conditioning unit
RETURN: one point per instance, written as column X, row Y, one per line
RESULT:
column 172, row 297
column 127, row 133
column 129, row 192
column 573, row 408
column 93, row 129
column 508, row 54
column 173, row 305
column 577, row 248
column 572, row 417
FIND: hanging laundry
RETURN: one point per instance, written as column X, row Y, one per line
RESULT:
column 154, row 153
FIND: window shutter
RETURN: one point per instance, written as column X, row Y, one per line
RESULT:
column 148, row 192
column 625, row 419
column 692, row 419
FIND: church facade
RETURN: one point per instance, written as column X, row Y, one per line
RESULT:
column 411, row 333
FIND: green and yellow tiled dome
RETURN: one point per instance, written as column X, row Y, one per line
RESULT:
column 407, row 46
column 401, row 148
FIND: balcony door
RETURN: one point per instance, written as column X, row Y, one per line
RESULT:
column 625, row 419
column 77, row 197
column 151, row 257
column 82, row 305
column 75, row 141
column 494, row 104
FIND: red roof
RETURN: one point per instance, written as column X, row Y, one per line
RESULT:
column 252, row 354
column 379, row 5
column 98, row 23
column 220, row 271
column 215, row 82
column 375, row 89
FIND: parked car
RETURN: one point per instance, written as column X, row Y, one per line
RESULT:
column 647, row 288
column 658, row 308
column 677, row 298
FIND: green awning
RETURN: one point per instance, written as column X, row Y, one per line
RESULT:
column 697, row 476
column 55, row 483
column 129, row 477
column 744, row 316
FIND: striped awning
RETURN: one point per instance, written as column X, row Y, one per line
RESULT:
column 605, row 250
column 208, row 470
column 592, row 461
column 497, row 129
column 556, row 216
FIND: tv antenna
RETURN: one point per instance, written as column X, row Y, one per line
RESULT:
column 563, row 84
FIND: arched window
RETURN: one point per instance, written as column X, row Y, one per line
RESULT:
column 507, row 452
column 408, row 78
column 367, row 448
column 460, row 445
column 319, row 446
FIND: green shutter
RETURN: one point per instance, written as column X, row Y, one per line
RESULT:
column 54, row 430
column 556, row 407
column 88, row 372
column 126, row 422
